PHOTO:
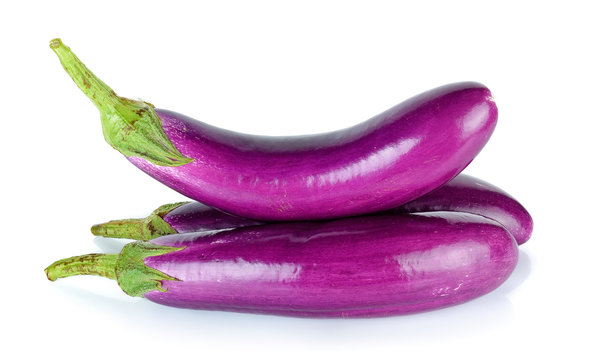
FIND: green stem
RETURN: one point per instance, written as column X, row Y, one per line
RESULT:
column 130, row 126
column 102, row 96
column 121, row 229
column 91, row 264
column 145, row 229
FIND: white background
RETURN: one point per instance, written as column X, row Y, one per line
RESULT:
column 285, row 68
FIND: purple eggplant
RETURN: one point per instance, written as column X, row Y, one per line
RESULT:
column 386, row 161
column 375, row 265
column 464, row 193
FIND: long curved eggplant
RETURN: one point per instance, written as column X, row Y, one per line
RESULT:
column 386, row 161
column 375, row 265
column 464, row 193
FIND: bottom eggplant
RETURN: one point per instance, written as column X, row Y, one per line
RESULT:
column 366, row 266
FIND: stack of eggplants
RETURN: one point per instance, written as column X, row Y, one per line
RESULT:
column 371, row 220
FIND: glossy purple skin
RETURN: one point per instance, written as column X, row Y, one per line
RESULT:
column 472, row 195
column 367, row 266
column 195, row 216
column 382, row 163
column 464, row 193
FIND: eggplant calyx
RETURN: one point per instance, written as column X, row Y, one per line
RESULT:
column 129, row 126
column 144, row 229
column 134, row 277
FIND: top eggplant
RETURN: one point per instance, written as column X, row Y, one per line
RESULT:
column 386, row 161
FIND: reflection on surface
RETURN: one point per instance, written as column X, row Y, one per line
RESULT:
column 519, row 275
column 110, row 245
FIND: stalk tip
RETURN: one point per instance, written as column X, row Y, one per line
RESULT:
column 55, row 43
column 97, row 230
column 47, row 273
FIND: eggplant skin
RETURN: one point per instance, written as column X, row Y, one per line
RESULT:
column 369, row 266
column 195, row 216
column 469, row 194
column 464, row 193
column 391, row 159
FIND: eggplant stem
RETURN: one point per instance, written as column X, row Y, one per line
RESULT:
column 128, row 268
column 90, row 264
column 144, row 229
column 121, row 229
column 130, row 126
column 100, row 94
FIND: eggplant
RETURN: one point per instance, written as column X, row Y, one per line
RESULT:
column 367, row 266
column 464, row 193
column 386, row 161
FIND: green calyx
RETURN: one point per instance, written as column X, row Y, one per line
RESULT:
column 128, row 268
column 144, row 229
column 129, row 126
column 134, row 277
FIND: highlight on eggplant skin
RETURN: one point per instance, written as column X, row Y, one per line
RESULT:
column 386, row 161
column 464, row 193
column 367, row 266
